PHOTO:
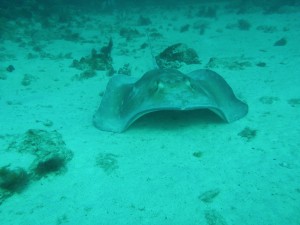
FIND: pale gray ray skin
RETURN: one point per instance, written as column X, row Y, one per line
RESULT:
column 127, row 98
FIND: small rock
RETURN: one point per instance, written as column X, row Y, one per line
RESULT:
column 280, row 42
column 10, row 68
column 27, row 79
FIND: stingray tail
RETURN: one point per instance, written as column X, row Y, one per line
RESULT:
column 154, row 62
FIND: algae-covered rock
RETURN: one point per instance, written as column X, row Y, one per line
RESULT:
column 12, row 180
column 175, row 55
column 49, row 148
column 231, row 63
column 97, row 60
column 129, row 33
column 50, row 158
column 94, row 61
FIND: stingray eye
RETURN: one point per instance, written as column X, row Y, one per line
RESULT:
column 188, row 83
column 154, row 87
column 160, row 85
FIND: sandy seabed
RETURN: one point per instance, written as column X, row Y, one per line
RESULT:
column 168, row 167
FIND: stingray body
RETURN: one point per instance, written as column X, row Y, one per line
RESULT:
column 127, row 98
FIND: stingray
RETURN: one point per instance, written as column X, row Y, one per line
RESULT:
column 128, row 98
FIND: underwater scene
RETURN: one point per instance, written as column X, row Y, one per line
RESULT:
column 149, row 112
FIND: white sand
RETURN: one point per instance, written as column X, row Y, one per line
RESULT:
column 158, row 180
